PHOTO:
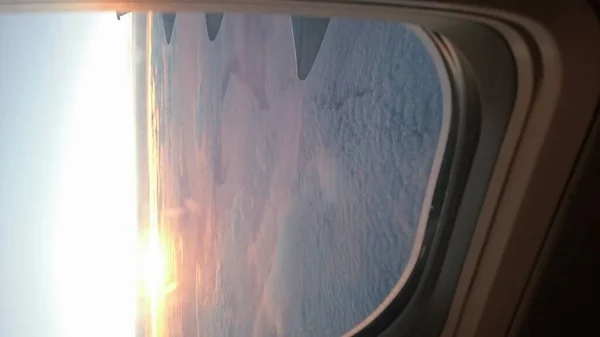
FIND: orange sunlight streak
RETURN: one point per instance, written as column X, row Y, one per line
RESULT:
column 152, row 258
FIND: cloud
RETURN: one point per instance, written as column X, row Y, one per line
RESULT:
column 315, row 242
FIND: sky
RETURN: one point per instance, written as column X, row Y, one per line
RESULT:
column 67, row 196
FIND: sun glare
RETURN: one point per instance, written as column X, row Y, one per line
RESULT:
column 95, row 227
column 152, row 265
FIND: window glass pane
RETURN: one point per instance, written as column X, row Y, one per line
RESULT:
column 289, row 207
column 283, row 164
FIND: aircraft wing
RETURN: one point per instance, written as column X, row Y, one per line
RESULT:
column 308, row 35
column 213, row 23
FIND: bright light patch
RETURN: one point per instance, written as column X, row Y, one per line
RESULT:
column 95, row 234
column 153, row 265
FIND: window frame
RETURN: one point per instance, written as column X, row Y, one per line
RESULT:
column 463, row 115
column 553, row 52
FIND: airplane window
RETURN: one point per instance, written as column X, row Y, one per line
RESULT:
column 290, row 158
column 216, row 174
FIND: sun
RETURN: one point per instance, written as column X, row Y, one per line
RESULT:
column 152, row 276
column 153, row 265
